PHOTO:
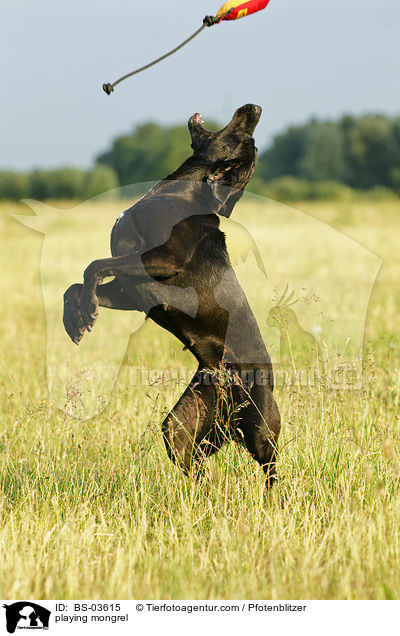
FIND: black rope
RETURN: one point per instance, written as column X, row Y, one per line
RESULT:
column 109, row 88
column 208, row 21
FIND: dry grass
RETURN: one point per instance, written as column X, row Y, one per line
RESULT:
column 94, row 509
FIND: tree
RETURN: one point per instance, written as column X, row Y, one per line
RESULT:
column 40, row 185
column 371, row 149
column 100, row 179
column 285, row 155
column 323, row 157
column 13, row 185
column 66, row 183
column 62, row 183
column 149, row 153
column 361, row 152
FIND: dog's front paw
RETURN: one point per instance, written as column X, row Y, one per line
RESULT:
column 72, row 319
column 88, row 306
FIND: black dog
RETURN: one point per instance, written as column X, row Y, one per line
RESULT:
column 170, row 261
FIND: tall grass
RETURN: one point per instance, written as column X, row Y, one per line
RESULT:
column 94, row 509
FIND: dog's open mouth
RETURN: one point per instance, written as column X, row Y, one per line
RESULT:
column 197, row 120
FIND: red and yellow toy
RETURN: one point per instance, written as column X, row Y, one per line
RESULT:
column 238, row 9
column 232, row 10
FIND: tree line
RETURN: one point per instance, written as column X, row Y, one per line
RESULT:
column 319, row 159
column 59, row 183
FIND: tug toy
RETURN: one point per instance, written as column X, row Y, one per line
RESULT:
column 232, row 10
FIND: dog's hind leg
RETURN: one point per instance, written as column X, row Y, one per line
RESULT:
column 109, row 295
column 260, row 431
column 264, row 450
column 189, row 430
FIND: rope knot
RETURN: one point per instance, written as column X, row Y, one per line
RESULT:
column 210, row 20
column 108, row 88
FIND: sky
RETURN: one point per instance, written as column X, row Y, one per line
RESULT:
column 297, row 59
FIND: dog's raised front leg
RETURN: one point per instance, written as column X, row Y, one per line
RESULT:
column 109, row 295
column 159, row 264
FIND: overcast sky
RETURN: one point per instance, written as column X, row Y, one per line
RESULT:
column 297, row 58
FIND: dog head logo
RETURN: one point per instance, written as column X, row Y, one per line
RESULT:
column 332, row 277
column 26, row 615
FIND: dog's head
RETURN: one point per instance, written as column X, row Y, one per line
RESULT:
column 228, row 155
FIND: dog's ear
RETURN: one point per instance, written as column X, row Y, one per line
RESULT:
column 228, row 180
column 221, row 183
column 230, row 202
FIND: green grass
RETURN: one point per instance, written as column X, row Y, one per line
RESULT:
column 94, row 509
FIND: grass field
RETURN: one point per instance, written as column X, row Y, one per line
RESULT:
column 92, row 508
